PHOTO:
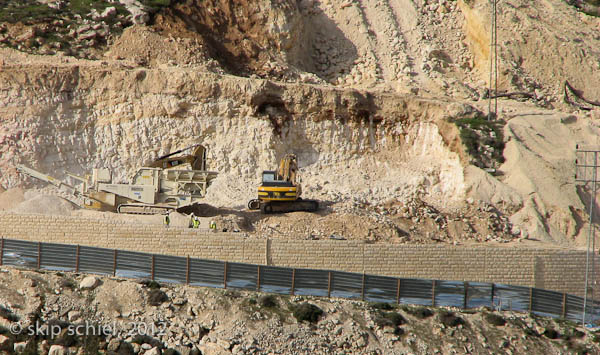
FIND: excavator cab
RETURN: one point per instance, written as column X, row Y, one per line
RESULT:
column 271, row 178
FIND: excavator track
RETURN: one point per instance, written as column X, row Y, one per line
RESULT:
column 294, row 206
column 143, row 209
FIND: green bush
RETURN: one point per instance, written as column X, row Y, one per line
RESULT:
column 157, row 297
column 572, row 333
column 449, row 319
column 67, row 283
column 389, row 319
column 551, row 333
column 384, row 306
column 307, row 312
column 495, row 319
column 475, row 133
column 530, row 332
column 151, row 284
column 268, row 301
column 232, row 294
column 8, row 315
column 419, row 312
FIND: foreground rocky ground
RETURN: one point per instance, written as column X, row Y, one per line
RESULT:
column 143, row 317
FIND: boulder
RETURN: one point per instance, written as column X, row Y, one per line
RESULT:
column 74, row 315
column 89, row 283
column 153, row 351
column 20, row 347
column 110, row 11
column 58, row 350
column 213, row 349
column 6, row 343
column 113, row 345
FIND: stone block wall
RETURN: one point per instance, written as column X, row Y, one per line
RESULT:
column 560, row 270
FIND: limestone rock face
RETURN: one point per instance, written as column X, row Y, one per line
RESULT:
column 86, row 116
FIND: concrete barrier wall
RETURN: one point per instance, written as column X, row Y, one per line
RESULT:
column 553, row 269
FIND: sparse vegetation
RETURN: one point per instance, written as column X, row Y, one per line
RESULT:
column 307, row 312
column 530, row 332
column 483, row 140
column 32, row 348
column 8, row 315
column 151, row 284
column 572, row 333
column 67, row 283
column 495, row 319
column 383, row 306
column 28, row 10
column 417, row 311
column 268, row 301
column 392, row 319
column 449, row 319
column 232, row 294
column 551, row 333
column 156, row 297
column 66, row 338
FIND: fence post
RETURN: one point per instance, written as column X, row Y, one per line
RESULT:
column 530, row 299
column 362, row 292
column 77, row 259
column 564, row 310
column 2, row 252
column 225, row 274
column 492, row 296
column 433, row 293
column 329, row 285
column 115, row 262
column 293, row 281
column 152, row 268
column 466, row 295
column 258, row 278
column 187, row 271
column 398, row 292
column 39, row 259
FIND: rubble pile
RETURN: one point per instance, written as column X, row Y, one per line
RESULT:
column 145, row 318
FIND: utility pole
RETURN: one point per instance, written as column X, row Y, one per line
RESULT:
column 493, row 61
column 586, row 171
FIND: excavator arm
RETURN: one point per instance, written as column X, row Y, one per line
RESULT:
column 288, row 167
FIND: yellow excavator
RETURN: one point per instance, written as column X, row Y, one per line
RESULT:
column 279, row 190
